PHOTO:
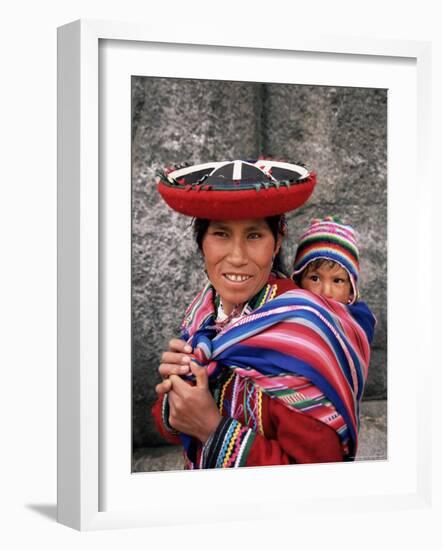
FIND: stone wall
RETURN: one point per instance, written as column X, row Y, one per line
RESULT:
column 341, row 133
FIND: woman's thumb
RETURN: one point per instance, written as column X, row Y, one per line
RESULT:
column 201, row 377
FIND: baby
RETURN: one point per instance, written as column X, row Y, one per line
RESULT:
column 327, row 260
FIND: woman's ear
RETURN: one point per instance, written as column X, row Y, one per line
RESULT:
column 278, row 243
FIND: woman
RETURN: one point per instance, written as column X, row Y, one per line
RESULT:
column 241, row 388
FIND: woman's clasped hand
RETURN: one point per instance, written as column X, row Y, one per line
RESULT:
column 192, row 409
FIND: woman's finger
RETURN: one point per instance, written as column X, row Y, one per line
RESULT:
column 176, row 344
column 167, row 369
column 180, row 386
column 175, row 358
column 163, row 387
column 201, row 376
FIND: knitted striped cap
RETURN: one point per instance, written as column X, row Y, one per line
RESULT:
column 329, row 239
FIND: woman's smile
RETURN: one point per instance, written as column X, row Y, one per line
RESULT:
column 237, row 277
column 238, row 255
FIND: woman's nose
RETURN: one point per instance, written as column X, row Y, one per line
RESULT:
column 237, row 253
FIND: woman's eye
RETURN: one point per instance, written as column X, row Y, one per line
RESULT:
column 219, row 234
column 254, row 235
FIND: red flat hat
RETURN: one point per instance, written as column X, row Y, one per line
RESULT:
column 235, row 190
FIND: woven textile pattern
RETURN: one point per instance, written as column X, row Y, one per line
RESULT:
column 309, row 352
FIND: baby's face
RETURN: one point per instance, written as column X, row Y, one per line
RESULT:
column 330, row 281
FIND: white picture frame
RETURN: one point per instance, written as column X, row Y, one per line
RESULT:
column 82, row 398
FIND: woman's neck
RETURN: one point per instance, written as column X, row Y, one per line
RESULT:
column 229, row 308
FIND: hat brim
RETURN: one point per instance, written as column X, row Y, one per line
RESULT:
column 237, row 204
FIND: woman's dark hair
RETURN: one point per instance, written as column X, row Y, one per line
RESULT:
column 275, row 223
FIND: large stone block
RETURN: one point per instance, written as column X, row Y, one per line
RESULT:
column 376, row 387
column 174, row 121
column 340, row 133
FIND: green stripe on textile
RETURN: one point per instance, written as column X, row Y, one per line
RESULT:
column 280, row 393
column 256, row 300
column 308, row 403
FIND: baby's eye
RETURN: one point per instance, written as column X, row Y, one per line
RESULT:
column 314, row 278
column 339, row 281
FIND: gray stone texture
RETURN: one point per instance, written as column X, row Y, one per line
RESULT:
column 373, row 431
column 341, row 134
column 338, row 132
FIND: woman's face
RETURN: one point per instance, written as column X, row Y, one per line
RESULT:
column 238, row 256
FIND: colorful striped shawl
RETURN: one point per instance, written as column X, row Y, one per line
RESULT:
column 295, row 338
